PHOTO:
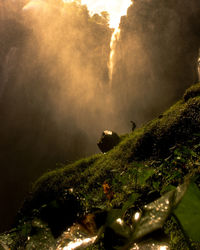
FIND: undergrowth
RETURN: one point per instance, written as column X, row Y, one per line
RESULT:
column 147, row 163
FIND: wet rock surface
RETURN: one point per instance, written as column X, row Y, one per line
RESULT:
column 108, row 229
column 80, row 235
column 62, row 212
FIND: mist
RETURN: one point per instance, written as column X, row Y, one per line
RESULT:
column 56, row 96
column 156, row 57
column 53, row 93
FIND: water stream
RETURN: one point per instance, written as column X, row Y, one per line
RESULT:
column 113, row 43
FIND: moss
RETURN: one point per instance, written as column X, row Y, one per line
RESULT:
column 152, row 141
column 192, row 92
column 147, row 162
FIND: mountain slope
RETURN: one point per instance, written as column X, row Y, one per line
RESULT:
column 145, row 165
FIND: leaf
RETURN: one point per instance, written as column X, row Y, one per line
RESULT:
column 113, row 215
column 156, row 185
column 188, row 212
column 154, row 215
column 144, row 175
column 130, row 202
column 167, row 189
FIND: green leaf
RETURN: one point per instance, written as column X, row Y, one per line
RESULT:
column 156, row 185
column 144, row 175
column 130, row 202
column 113, row 214
column 188, row 212
column 168, row 188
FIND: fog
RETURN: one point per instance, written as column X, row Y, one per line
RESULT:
column 54, row 91
column 56, row 97
column 156, row 57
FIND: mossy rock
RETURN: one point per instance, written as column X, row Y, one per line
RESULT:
column 192, row 92
column 176, row 126
column 108, row 141
column 155, row 139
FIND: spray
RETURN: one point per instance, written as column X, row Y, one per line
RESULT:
column 115, row 37
column 198, row 66
column 116, row 10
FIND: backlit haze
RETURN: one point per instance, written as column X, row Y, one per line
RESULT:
column 115, row 8
column 67, row 75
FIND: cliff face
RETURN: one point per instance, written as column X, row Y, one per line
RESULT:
column 156, row 56
column 146, row 164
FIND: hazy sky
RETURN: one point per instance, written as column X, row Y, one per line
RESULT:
column 116, row 8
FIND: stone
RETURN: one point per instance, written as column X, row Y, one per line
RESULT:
column 108, row 141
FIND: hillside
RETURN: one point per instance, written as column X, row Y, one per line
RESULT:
column 146, row 166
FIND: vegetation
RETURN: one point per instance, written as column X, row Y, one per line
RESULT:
column 147, row 163
column 47, row 65
column 166, row 145
column 193, row 91
column 43, row 77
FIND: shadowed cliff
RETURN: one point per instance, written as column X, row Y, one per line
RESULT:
column 156, row 56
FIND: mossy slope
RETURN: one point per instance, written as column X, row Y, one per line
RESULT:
column 145, row 164
column 152, row 141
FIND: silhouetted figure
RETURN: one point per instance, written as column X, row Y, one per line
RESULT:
column 133, row 125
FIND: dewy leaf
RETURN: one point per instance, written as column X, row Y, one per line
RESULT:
column 113, row 214
column 155, row 213
column 188, row 212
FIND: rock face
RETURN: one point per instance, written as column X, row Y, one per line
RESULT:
column 154, row 56
column 108, row 140
column 61, row 212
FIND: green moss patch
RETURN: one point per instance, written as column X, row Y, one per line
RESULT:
column 192, row 92
column 147, row 163
column 152, row 142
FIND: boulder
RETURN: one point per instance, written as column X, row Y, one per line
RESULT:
column 108, row 141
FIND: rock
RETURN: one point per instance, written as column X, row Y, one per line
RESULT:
column 83, row 233
column 151, row 245
column 79, row 235
column 40, row 237
column 192, row 92
column 108, row 141
column 61, row 213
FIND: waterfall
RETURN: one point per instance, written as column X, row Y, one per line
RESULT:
column 113, row 43
column 198, row 66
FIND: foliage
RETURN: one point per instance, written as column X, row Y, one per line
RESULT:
column 165, row 143
column 48, row 62
column 192, row 92
column 188, row 212
column 147, row 163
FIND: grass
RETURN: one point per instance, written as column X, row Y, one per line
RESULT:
column 151, row 142
column 146, row 163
